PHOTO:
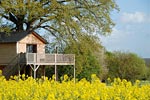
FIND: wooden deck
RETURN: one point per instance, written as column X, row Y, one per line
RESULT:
column 47, row 59
column 36, row 59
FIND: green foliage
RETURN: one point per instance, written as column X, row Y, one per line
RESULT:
column 125, row 65
column 88, row 53
column 61, row 71
column 72, row 22
column 61, row 18
column 147, row 76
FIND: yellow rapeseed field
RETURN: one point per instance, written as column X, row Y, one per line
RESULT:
column 30, row 89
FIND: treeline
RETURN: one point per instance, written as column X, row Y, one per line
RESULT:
column 126, row 65
column 92, row 58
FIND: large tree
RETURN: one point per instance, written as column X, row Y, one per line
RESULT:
column 61, row 18
column 73, row 23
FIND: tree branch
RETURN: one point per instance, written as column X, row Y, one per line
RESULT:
column 12, row 18
column 50, row 31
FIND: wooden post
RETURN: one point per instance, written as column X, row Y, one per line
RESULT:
column 56, row 73
column 18, row 63
column 74, row 70
column 43, row 71
column 30, row 71
column 34, row 71
column 74, row 74
column 19, row 71
column 35, row 68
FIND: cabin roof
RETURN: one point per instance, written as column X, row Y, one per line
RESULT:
column 14, row 37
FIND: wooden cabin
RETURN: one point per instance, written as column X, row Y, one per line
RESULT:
column 19, row 49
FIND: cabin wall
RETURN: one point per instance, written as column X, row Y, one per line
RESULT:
column 41, row 48
column 30, row 39
column 7, row 53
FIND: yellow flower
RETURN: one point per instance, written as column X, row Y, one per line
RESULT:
column 39, row 89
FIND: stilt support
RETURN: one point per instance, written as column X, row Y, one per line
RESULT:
column 55, row 72
column 34, row 68
column 19, row 70
column 74, row 74
column 43, row 71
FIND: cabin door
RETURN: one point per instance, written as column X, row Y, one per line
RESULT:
column 31, row 48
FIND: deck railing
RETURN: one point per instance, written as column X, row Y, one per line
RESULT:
column 50, row 59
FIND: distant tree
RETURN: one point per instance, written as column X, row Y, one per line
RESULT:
column 147, row 75
column 125, row 66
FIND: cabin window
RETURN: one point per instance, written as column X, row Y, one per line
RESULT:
column 31, row 48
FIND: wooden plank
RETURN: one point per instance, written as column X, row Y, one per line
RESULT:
column 7, row 52
column 50, row 63
column 50, row 59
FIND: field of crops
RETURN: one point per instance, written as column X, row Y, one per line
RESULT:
column 31, row 89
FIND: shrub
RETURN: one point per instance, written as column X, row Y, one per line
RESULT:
column 125, row 65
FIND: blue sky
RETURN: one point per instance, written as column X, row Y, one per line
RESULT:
column 132, row 30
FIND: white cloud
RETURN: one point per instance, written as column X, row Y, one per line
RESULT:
column 136, row 17
column 114, row 38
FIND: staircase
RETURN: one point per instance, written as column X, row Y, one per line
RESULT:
column 12, row 68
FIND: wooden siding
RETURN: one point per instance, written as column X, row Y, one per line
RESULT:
column 7, row 53
column 21, row 47
column 40, row 48
column 31, row 39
